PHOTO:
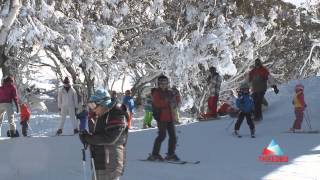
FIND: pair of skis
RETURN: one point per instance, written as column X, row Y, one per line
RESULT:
column 180, row 162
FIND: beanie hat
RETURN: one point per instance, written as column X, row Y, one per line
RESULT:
column 66, row 80
column 244, row 87
column 258, row 62
column 102, row 97
column 8, row 79
column 299, row 87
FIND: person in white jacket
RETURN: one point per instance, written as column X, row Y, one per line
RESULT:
column 67, row 104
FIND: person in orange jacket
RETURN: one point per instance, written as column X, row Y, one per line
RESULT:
column 24, row 118
column 299, row 106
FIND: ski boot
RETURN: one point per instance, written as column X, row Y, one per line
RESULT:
column 75, row 131
column 59, row 132
column 172, row 157
column 155, row 157
column 236, row 133
column 252, row 131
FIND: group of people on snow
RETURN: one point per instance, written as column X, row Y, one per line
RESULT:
column 105, row 121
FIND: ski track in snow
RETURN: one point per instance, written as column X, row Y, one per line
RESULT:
column 222, row 155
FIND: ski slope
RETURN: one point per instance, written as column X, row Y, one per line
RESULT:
column 222, row 156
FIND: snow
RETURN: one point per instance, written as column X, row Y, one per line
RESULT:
column 222, row 156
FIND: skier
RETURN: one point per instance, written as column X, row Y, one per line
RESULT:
column 163, row 102
column 8, row 93
column 299, row 107
column 259, row 77
column 245, row 105
column 83, row 118
column 129, row 102
column 67, row 104
column 147, row 112
column 214, row 80
column 109, row 136
column 24, row 118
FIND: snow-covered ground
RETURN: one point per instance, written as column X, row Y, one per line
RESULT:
column 222, row 156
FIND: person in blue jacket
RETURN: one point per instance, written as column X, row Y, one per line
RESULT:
column 129, row 102
column 83, row 117
column 245, row 104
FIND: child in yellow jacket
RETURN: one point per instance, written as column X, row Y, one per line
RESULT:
column 299, row 106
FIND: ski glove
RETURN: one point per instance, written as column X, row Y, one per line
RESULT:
column 275, row 89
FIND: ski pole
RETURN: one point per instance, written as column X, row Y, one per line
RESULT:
column 84, row 163
column 228, row 127
column 308, row 119
column 30, row 127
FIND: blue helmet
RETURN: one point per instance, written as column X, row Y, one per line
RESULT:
column 101, row 97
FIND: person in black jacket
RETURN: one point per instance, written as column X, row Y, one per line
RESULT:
column 108, row 136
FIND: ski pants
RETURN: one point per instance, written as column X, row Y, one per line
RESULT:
column 212, row 106
column 8, row 108
column 299, row 117
column 147, row 118
column 114, row 163
column 164, row 126
column 24, row 128
column 241, row 118
column 72, row 114
column 257, row 101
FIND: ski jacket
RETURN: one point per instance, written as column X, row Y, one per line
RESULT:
column 8, row 93
column 258, row 77
column 298, row 100
column 129, row 102
column 214, row 84
column 83, row 117
column 109, row 130
column 245, row 103
column 67, row 99
column 24, row 113
column 163, row 103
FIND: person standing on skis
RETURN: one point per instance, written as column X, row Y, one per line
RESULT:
column 129, row 102
column 24, row 118
column 299, row 107
column 245, row 104
column 8, row 94
column 163, row 104
column 258, row 78
column 68, row 105
column 108, row 136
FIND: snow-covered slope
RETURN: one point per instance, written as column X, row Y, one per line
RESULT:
column 222, row 156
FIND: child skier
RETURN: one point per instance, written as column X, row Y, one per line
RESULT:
column 299, row 106
column 83, row 117
column 245, row 104
column 24, row 118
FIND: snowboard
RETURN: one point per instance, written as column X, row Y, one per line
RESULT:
column 181, row 162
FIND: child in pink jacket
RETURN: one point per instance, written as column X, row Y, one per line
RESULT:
column 299, row 106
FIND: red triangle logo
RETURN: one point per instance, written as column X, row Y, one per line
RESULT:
column 267, row 152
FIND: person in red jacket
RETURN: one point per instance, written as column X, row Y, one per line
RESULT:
column 8, row 93
column 163, row 104
column 24, row 118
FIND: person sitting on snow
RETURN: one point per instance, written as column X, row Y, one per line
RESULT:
column 299, row 107
column 24, row 118
column 245, row 105
column 229, row 107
